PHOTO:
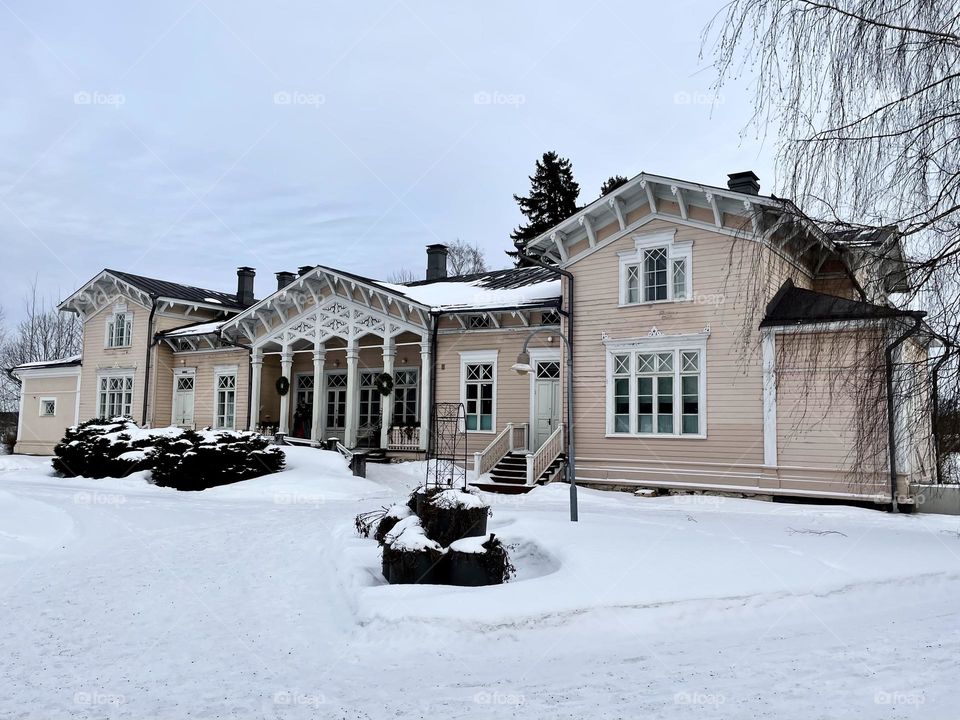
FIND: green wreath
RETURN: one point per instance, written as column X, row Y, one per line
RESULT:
column 283, row 385
column 384, row 383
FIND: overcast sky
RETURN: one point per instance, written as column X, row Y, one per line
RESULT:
column 182, row 139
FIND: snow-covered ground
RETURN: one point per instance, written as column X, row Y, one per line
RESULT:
column 258, row 600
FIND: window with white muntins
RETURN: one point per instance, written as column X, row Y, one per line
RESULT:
column 120, row 329
column 405, row 403
column 115, row 395
column 658, row 391
column 478, row 379
column 48, row 407
column 658, row 269
column 225, row 403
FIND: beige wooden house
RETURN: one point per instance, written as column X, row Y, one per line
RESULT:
column 688, row 299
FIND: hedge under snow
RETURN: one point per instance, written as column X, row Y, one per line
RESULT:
column 182, row 459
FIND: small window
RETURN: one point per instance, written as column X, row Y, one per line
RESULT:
column 477, row 322
column 550, row 317
column 119, row 330
column 48, row 407
column 548, row 370
column 621, row 393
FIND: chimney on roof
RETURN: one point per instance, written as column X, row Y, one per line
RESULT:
column 744, row 182
column 304, row 269
column 436, row 262
column 284, row 278
column 245, row 277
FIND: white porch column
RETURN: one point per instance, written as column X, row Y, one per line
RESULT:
column 353, row 394
column 386, row 401
column 256, row 366
column 286, row 369
column 426, row 402
column 318, row 420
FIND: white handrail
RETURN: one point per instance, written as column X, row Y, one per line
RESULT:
column 342, row 449
column 484, row 460
column 538, row 462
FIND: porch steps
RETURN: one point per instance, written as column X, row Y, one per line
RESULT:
column 374, row 455
column 509, row 476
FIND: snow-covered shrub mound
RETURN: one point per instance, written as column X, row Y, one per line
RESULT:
column 103, row 448
column 450, row 515
column 182, row 459
column 477, row 561
column 200, row 460
column 410, row 557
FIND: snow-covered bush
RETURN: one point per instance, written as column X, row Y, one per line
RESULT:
column 102, row 448
column 200, row 460
column 410, row 557
column 452, row 514
column 477, row 561
column 181, row 459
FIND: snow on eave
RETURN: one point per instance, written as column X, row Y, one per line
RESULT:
column 207, row 328
column 47, row 364
column 471, row 295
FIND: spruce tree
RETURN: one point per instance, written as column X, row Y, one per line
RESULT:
column 552, row 199
column 612, row 183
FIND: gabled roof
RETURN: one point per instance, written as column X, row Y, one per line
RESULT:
column 176, row 291
column 798, row 306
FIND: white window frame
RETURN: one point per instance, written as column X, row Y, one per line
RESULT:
column 676, row 251
column 474, row 357
column 110, row 333
column 44, row 400
column 406, row 387
column 113, row 374
column 667, row 343
column 219, row 372
column 539, row 355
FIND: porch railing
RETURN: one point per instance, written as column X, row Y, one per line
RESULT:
column 484, row 460
column 538, row 462
column 403, row 438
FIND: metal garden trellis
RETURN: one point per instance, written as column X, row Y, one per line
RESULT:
column 447, row 458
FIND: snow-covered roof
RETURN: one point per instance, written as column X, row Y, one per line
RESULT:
column 191, row 330
column 40, row 364
column 515, row 287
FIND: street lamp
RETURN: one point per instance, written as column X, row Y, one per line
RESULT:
column 522, row 367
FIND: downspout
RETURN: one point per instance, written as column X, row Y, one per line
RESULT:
column 571, row 446
column 891, row 429
column 146, row 372
column 433, row 383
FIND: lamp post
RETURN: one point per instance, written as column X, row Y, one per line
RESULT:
column 522, row 366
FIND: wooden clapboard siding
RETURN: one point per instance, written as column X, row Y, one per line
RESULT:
column 39, row 434
column 512, row 390
column 205, row 364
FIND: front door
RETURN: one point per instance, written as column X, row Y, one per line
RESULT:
column 303, row 406
column 546, row 401
column 184, row 382
column 336, row 404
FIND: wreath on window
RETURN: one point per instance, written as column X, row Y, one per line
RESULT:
column 384, row 383
column 283, row 386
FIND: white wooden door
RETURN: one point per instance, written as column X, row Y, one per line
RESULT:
column 546, row 410
column 183, row 399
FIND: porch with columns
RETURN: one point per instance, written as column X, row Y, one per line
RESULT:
column 333, row 379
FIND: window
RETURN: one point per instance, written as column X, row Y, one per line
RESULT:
column 119, row 329
column 550, row 317
column 549, row 370
column 115, row 396
column 478, row 375
column 656, row 392
column 405, row 397
column 369, row 399
column 336, row 400
column 657, row 270
column 48, row 407
column 475, row 322
column 226, row 400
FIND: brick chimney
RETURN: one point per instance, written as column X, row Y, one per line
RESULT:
column 744, row 182
column 436, row 262
column 284, row 278
column 245, row 277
